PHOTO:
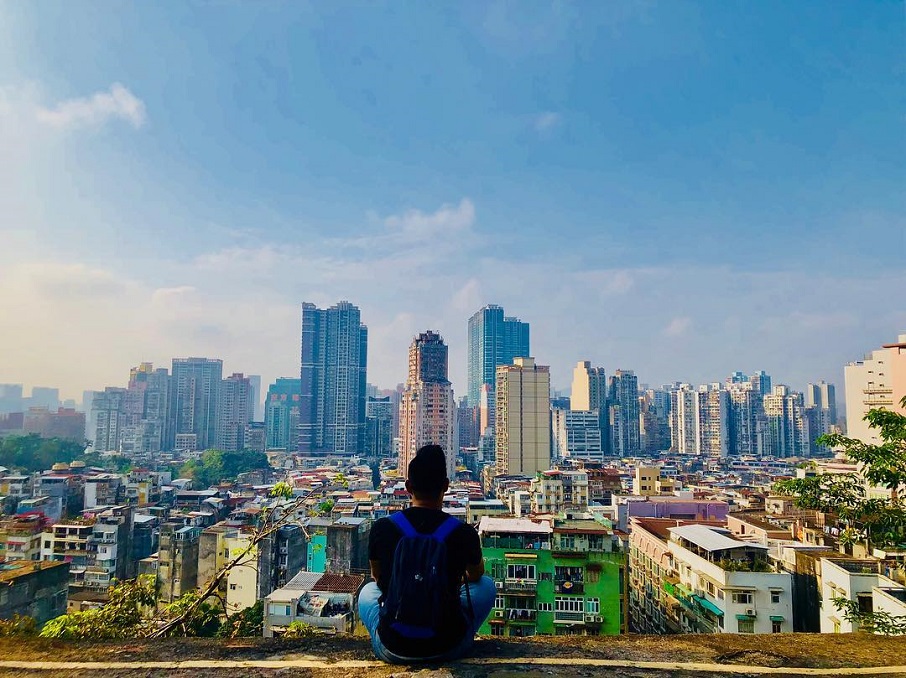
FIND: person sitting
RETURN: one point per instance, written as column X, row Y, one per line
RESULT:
column 429, row 595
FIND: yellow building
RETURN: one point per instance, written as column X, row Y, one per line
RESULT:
column 523, row 421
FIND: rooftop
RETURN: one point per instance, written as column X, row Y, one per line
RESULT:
column 711, row 538
column 12, row 571
column 513, row 526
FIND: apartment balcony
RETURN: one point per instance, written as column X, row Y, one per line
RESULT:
column 521, row 586
column 516, row 615
column 569, row 617
column 569, row 587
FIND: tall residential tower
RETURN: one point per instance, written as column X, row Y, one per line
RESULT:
column 523, row 430
column 332, row 396
column 494, row 340
column 427, row 408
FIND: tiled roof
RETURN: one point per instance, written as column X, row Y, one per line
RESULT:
column 339, row 583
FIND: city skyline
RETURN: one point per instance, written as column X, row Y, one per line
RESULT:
column 680, row 190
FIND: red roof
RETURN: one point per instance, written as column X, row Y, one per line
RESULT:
column 339, row 583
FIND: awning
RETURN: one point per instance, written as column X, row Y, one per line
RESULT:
column 745, row 617
column 777, row 617
column 708, row 605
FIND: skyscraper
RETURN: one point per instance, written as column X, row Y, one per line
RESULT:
column 877, row 381
column 684, row 420
column 761, row 382
column 427, row 408
column 281, row 414
column 577, row 435
column 493, row 340
column 334, row 362
column 713, row 418
column 822, row 398
column 745, row 417
column 44, row 396
column 258, row 406
column 194, row 400
column 523, row 428
column 623, row 399
column 786, row 433
column 589, row 394
column 108, row 411
column 378, row 428
column 234, row 412
column 10, row 398
column 146, row 420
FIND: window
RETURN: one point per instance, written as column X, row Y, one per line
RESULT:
column 499, row 602
column 720, row 594
column 742, row 598
column 279, row 609
column 545, row 607
column 709, row 587
column 592, row 606
column 775, row 596
column 496, row 629
column 745, row 625
column 232, row 587
column 520, row 572
column 776, row 627
column 573, row 574
column 569, row 604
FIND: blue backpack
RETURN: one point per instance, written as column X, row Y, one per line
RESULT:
column 418, row 600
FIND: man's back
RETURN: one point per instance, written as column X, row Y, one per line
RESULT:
column 463, row 549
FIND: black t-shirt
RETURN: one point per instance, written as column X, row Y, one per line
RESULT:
column 463, row 549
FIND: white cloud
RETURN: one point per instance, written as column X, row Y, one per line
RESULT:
column 96, row 109
column 678, row 327
column 448, row 219
column 547, row 121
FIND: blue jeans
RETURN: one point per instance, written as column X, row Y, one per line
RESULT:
column 482, row 592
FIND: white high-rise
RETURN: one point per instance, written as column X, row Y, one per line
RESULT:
column 877, row 381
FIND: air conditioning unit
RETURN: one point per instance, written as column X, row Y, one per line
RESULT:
column 589, row 617
column 498, row 584
column 750, row 611
column 599, row 619
column 498, row 614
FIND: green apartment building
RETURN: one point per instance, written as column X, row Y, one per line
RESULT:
column 554, row 577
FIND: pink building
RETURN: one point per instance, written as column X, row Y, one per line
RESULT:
column 427, row 408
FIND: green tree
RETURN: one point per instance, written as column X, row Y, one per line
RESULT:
column 216, row 466
column 877, row 522
column 30, row 453
column 247, row 623
column 123, row 616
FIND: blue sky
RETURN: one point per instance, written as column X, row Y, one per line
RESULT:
column 683, row 189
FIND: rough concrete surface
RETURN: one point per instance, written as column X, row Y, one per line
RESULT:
column 716, row 656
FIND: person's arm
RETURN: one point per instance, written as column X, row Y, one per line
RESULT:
column 376, row 541
column 474, row 557
column 475, row 572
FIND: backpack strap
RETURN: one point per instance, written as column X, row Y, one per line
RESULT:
column 445, row 529
column 440, row 534
column 403, row 524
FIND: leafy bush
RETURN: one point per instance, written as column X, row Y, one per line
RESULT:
column 215, row 466
column 247, row 623
column 298, row 630
column 18, row 626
